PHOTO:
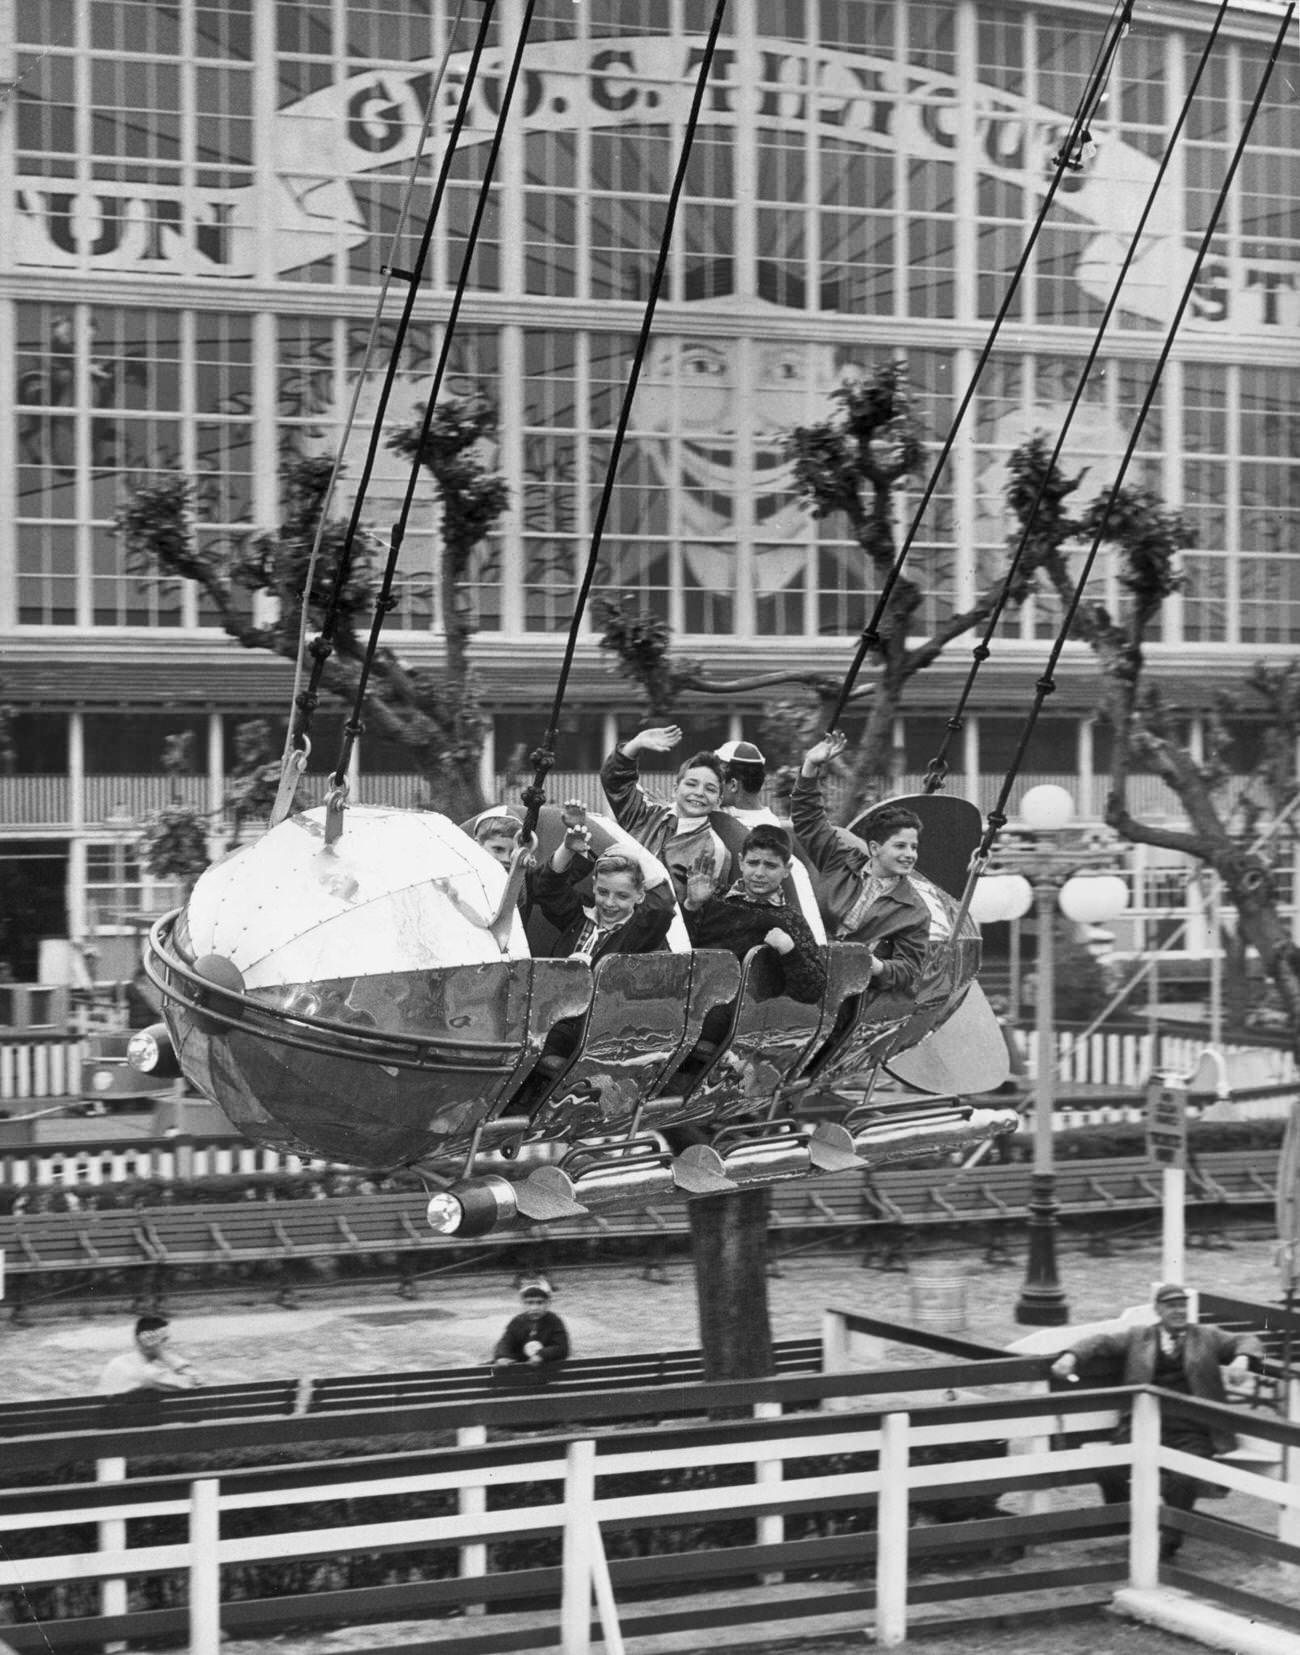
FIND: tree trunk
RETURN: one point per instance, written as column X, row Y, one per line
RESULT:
column 729, row 1243
column 454, row 789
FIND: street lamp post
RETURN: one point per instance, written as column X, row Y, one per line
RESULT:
column 1048, row 864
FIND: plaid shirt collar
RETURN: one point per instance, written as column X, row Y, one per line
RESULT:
column 776, row 900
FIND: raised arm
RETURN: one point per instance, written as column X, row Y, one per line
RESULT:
column 812, row 824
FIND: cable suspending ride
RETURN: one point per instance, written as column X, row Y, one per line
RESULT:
column 367, row 990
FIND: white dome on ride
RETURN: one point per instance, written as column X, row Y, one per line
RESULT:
column 399, row 891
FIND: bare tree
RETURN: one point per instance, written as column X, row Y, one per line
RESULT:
column 1145, row 539
column 173, row 842
column 851, row 465
column 436, row 715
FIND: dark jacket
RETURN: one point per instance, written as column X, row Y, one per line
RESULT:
column 521, row 1328
column 1207, row 1349
column 737, row 923
column 897, row 925
column 555, row 895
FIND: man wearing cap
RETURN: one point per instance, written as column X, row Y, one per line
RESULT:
column 149, row 1365
column 1177, row 1356
column 536, row 1336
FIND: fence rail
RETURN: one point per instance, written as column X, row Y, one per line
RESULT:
column 50, row 1065
column 625, row 1516
column 41, row 1067
column 46, row 801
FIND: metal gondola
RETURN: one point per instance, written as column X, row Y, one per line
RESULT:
column 361, row 985
column 373, row 998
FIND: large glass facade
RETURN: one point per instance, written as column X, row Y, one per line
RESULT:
column 206, row 195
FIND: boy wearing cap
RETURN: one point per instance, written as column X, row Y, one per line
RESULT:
column 536, row 1336
column 1176, row 1355
column 744, row 773
column 498, row 833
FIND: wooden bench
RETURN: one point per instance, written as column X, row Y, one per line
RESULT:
column 280, row 1398
column 151, row 1245
column 594, row 1373
column 164, row 1239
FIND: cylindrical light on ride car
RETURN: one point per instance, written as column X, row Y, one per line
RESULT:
column 472, row 1208
column 150, row 1052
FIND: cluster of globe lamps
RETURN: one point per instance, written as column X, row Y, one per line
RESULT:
column 1050, row 863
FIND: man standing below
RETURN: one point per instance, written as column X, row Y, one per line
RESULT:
column 866, row 896
column 149, row 1365
column 678, row 833
column 536, row 1337
column 1177, row 1356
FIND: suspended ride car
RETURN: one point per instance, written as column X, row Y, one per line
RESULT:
column 371, row 996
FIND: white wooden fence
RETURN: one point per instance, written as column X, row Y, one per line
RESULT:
column 50, row 1166
column 584, row 1517
column 36, row 1069
column 52, row 1067
column 33, row 1072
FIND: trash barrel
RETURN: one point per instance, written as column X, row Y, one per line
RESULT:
column 938, row 1297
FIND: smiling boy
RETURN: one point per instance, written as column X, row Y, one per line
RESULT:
column 616, row 921
column 866, row 896
column 678, row 833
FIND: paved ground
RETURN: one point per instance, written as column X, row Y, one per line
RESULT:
column 456, row 1320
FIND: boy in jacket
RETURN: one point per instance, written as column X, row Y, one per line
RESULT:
column 754, row 912
column 678, row 832
column 618, row 919
column 865, row 897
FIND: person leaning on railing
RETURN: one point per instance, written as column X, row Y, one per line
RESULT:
column 1177, row 1356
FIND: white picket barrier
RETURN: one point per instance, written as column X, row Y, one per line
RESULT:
column 1022, row 1445
column 34, row 1069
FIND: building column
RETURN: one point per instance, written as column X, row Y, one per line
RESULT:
column 970, row 760
column 1084, row 766
column 216, row 786
column 76, row 888
column 8, row 481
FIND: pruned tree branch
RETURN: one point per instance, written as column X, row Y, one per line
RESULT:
column 437, row 716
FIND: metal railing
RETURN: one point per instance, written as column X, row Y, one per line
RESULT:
column 29, row 801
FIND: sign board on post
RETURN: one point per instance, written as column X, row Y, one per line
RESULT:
column 1167, row 1120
